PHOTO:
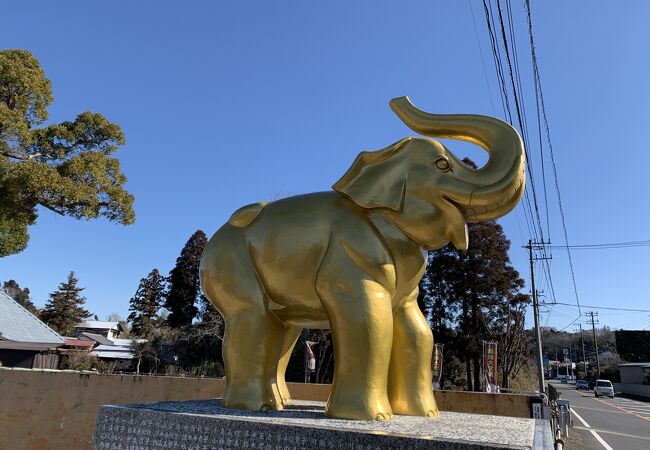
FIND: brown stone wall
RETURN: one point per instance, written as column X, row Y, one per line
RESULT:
column 41, row 409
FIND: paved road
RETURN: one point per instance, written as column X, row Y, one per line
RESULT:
column 611, row 424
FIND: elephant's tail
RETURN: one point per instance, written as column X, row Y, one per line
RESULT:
column 245, row 215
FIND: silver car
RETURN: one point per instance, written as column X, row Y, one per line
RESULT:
column 604, row 388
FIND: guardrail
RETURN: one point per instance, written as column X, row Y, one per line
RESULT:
column 560, row 416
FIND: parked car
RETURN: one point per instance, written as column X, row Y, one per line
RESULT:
column 563, row 379
column 582, row 384
column 604, row 388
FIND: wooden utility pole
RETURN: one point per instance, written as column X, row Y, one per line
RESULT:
column 593, row 323
column 538, row 331
column 582, row 341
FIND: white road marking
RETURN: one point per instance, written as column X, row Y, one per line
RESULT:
column 598, row 409
column 598, row 438
column 616, row 433
column 628, row 409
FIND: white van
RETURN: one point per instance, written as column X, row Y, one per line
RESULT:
column 604, row 388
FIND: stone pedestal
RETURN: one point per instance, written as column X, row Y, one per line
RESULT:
column 205, row 424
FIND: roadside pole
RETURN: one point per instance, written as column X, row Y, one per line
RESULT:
column 538, row 334
column 593, row 329
column 584, row 360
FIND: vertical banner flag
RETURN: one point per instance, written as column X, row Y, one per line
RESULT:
column 490, row 366
column 436, row 365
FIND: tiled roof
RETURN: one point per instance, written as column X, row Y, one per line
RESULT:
column 74, row 342
column 18, row 324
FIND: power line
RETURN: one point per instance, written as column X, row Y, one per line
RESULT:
column 505, row 103
column 510, row 55
column 550, row 146
column 478, row 41
column 519, row 109
column 515, row 78
column 610, row 245
column 610, row 308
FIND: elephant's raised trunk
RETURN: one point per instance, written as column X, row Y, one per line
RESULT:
column 494, row 189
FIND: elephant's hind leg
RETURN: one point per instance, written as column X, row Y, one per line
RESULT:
column 249, row 350
column 409, row 380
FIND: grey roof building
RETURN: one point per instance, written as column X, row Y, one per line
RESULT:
column 102, row 340
column 108, row 329
column 25, row 341
column 18, row 324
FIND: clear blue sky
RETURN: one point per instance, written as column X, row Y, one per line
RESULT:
column 228, row 104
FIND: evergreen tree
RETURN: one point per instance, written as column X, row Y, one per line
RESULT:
column 65, row 309
column 21, row 296
column 473, row 296
column 65, row 167
column 184, row 287
column 146, row 302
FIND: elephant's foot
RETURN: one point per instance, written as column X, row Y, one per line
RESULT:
column 252, row 399
column 413, row 402
column 416, row 404
column 418, row 410
column 283, row 393
column 356, row 408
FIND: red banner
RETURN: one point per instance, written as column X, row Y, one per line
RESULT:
column 490, row 366
column 436, row 366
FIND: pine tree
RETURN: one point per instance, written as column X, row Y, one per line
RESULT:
column 184, row 287
column 145, row 304
column 21, row 296
column 64, row 310
column 66, row 167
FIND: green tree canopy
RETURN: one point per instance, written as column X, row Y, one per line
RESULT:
column 145, row 304
column 21, row 296
column 184, row 286
column 64, row 310
column 66, row 167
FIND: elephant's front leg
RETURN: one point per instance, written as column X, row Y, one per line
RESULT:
column 359, row 311
column 409, row 382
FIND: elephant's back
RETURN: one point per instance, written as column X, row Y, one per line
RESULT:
column 289, row 239
column 280, row 250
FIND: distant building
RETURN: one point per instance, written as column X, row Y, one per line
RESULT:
column 604, row 358
column 108, row 329
column 25, row 341
column 97, row 338
column 635, row 373
column 120, row 353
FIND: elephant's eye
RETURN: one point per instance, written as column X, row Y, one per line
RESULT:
column 443, row 164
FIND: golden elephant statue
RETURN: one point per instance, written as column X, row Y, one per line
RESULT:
column 350, row 260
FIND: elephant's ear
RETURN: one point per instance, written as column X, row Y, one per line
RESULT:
column 376, row 179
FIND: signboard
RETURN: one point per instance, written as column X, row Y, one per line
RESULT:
column 436, row 366
column 490, row 366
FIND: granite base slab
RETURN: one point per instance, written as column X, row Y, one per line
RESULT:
column 206, row 424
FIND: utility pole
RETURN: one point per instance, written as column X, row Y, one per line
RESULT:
column 593, row 323
column 582, row 340
column 538, row 331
